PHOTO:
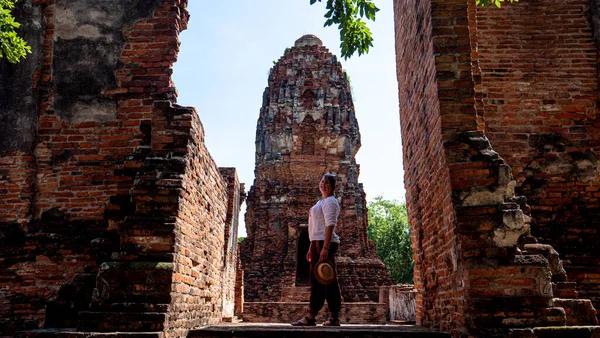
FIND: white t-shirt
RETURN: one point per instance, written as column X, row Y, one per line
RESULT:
column 321, row 215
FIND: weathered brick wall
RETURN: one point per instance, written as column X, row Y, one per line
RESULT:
column 110, row 197
column 236, row 196
column 540, row 85
column 427, row 179
column 88, row 118
column 66, row 159
column 167, row 274
column 239, row 285
column 48, row 270
column 92, row 116
column 19, row 106
column 466, row 218
column 198, row 282
column 16, row 176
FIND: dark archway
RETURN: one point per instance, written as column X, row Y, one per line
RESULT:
column 302, row 265
column 308, row 145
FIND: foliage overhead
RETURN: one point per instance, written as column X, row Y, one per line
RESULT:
column 12, row 47
column 389, row 229
column 354, row 33
column 347, row 15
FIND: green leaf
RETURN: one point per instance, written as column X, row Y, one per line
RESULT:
column 12, row 47
column 355, row 36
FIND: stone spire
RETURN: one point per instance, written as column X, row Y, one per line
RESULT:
column 307, row 127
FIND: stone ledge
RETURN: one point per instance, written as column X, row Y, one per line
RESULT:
column 557, row 332
column 73, row 333
column 283, row 312
column 121, row 321
column 285, row 330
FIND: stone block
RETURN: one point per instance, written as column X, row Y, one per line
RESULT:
column 402, row 304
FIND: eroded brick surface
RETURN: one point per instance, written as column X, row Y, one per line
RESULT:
column 427, row 179
column 236, row 196
column 467, row 221
column 115, row 217
column 540, row 90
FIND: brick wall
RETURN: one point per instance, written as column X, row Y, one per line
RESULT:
column 19, row 106
column 114, row 201
column 84, row 143
column 427, row 179
column 236, row 196
column 466, row 218
column 48, row 270
column 198, row 282
column 94, row 115
column 540, row 87
column 239, row 285
column 17, row 174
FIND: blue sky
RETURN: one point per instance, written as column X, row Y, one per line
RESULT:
column 222, row 71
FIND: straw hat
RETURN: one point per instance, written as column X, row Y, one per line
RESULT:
column 324, row 273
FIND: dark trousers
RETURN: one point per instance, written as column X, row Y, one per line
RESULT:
column 318, row 291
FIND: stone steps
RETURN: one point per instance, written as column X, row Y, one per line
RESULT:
column 73, row 333
column 121, row 321
column 256, row 330
column 295, row 294
column 288, row 312
column 578, row 311
column 288, row 331
column 557, row 332
column 234, row 320
column 565, row 290
column 72, row 298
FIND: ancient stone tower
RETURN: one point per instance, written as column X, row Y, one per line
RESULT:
column 307, row 127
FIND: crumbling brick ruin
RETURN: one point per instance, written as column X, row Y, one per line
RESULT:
column 307, row 127
column 499, row 123
column 115, row 217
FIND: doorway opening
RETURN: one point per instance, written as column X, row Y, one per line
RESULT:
column 302, row 265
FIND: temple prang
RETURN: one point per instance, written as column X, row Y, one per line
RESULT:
column 307, row 127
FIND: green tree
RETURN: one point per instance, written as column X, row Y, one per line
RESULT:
column 389, row 229
column 348, row 14
column 12, row 47
column 355, row 35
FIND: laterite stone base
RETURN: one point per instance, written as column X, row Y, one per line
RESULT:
column 288, row 331
column 279, row 312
